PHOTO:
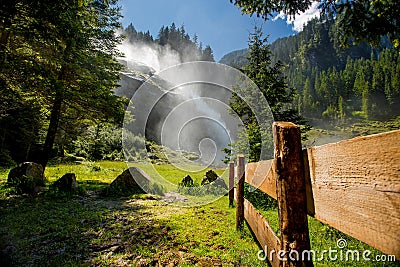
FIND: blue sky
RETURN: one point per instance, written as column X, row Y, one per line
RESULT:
column 217, row 23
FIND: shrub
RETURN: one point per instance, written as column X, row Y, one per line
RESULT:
column 258, row 198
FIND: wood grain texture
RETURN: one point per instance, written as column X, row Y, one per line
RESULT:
column 262, row 176
column 309, row 193
column 356, row 188
column 291, row 192
column 240, row 193
column 231, row 183
column 263, row 232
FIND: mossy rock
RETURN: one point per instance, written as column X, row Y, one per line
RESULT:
column 187, row 181
column 210, row 177
column 131, row 181
column 67, row 183
column 27, row 177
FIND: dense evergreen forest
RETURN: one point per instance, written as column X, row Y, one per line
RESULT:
column 57, row 76
column 339, row 84
column 176, row 38
column 59, row 67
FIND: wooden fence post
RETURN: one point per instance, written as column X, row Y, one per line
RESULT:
column 231, row 183
column 291, row 194
column 240, row 193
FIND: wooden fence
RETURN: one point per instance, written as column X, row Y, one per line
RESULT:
column 352, row 185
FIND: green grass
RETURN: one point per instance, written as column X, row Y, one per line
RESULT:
column 55, row 229
column 85, row 229
column 323, row 237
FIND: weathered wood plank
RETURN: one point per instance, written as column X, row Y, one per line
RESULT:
column 262, row 176
column 263, row 232
column 356, row 188
column 309, row 194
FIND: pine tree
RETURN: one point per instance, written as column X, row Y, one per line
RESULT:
column 207, row 54
column 67, row 52
column 270, row 81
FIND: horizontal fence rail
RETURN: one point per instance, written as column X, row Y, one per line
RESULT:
column 352, row 185
column 263, row 231
column 262, row 175
column 356, row 188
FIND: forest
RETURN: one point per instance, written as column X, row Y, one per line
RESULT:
column 340, row 84
column 78, row 187
column 52, row 110
column 39, row 124
column 189, row 48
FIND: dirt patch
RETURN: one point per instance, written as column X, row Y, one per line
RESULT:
column 173, row 197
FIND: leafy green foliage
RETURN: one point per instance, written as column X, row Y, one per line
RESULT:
column 266, row 8
column 59, row 56
column 357, row 19
column 20, row 128
column 259, row 199
column 100, row 142
column 368, row 20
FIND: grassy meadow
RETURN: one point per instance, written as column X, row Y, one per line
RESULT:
column 87, row 229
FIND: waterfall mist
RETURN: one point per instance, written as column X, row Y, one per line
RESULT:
column 184, row 116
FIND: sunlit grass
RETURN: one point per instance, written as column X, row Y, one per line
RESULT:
column 107, row 171
column 71, row 230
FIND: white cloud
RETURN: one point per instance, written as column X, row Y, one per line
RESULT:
column 301, row 18
column 281, row 15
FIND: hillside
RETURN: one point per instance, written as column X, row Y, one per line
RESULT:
column 235, row 59
column 340, row 85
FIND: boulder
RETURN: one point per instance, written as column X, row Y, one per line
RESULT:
column 132, row 180
column 67, row 182
column 27, row 177
column 187, row 181
column 210, row 177
column 220, row 182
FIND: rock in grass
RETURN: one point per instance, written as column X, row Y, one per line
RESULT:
column 27, row 177
column 132, row 180
column 220, row 182
column 67, row 182
column 210, row 177
column 187, row 181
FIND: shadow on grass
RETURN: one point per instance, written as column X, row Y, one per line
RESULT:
column 60, row 230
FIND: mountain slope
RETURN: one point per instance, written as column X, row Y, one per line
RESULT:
column 235, row 59
column 356, row 83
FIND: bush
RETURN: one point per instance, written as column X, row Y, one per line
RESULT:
column 24, row 185
column 258, row 198
column 6, row 159
column 202, row 190
column 105, row 142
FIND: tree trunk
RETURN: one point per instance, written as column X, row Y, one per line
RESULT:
column 52, row 130
column 55, row 116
